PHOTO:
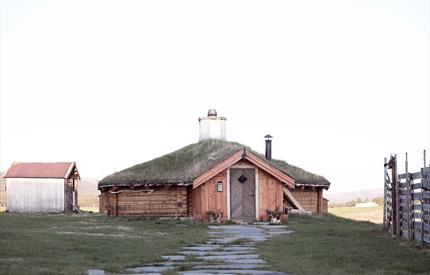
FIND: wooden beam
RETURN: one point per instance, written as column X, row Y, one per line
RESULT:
column 217, row 169
column 292, row 200
column 394, row 192
column 384, row 217
column 239, row 155
column 271, row 170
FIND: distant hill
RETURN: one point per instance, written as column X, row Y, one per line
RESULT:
column 349, row 196
column 88, row 194
column 88, row 187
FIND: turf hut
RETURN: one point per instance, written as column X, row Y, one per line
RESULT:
column 213, row 178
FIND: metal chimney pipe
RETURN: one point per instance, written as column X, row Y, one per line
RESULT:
column 268, row 139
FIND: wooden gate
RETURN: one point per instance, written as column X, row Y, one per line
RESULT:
column 242, row 194
column 407, row 202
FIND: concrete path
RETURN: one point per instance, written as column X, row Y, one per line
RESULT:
column 229, row 250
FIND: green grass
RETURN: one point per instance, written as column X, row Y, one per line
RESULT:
column 328, row 244
column 372, row 214
column 71, row 244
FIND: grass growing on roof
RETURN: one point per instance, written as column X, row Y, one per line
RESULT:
column 189, row 162
column 71, row 244
column 183, row 165
column 327, row 244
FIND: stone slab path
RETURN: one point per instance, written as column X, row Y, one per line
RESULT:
column 229, row 250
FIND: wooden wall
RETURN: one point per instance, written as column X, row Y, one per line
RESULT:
column 206, row 197
column 35, row 195
column 68, row 195
column 104, row 201
column 71, row 185
column 270, row 194
column 156, row 201
column 325, row 206
column 310, row 198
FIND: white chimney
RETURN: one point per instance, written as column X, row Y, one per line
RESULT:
column 212, row 126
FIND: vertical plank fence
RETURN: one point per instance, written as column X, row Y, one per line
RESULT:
column 407, row 202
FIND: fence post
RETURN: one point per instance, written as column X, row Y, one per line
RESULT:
column 422, row 202
column 424, row 177
column 409, row 200
column 394, row 204
column 385, row 197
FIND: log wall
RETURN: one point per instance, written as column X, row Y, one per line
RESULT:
column 103, row 202
column 156, row 202
column 310, row 198
column 325, row 206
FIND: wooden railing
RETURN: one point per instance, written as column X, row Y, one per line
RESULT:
column 407, row 203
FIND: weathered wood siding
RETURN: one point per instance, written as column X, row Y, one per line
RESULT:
column 156, row 201
column 325, row 206
column 35, row 195
column 103, row 201
column 206, row 197
column 310, row 198
column 71, row 186
column 270, row 195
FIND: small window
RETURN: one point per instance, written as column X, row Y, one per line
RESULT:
column 219, row 186
column 242, row 179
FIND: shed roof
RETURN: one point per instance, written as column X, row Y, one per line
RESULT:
column 189, row 162
column 54, row 170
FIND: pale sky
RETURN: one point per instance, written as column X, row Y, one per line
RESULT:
column 109, row 84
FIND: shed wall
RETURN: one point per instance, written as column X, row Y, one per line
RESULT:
column 70, row 191
column 35, row 195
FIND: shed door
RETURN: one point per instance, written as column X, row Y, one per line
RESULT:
column 242, row 194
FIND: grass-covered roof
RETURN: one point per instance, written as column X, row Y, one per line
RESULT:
column 189, row 162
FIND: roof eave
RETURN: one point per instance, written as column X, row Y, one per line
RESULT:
column 325, row 186
column 239, row 155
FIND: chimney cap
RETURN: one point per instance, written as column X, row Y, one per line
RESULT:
column 268, row 137
column 212, row 112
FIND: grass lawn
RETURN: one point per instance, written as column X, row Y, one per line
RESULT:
column 371, row 214
column 326, row 244
column 71, row 244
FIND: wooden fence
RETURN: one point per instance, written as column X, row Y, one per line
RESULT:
column 407, row 202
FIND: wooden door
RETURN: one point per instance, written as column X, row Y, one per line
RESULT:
column 242, row 194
